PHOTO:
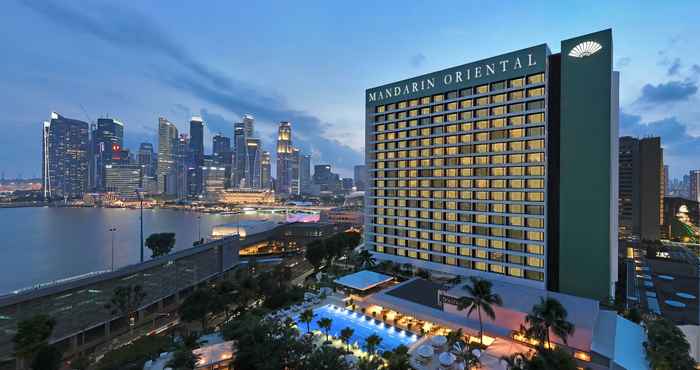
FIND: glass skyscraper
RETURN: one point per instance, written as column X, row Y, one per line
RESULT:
column 65, row 147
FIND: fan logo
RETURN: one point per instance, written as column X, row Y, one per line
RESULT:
column 584, row 49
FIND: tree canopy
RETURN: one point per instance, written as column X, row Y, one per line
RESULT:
column 160, row 244
column 33, row 334
column 666, row 346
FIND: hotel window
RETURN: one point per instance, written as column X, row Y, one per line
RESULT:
column 515, row 171
column 535, row 170
column 498, row 269
column 424, row 256
column 535, row 222
column 500, row 85
column 452, row 95
column 413, row 102
column 535, row 249
column 482, row 125
column 534, row 275
column 535, row 79
column 535, row 157
column 381, row 109
column 515, row 121
column 413, row 113
column 500, row 98
column 425, row 100
column 402, row 104
column 482, row 89
column 517, row 82
column 515, row 221
column 514, row 271
column 535, row 236
column 466, row 92
column 466, row 115
column 482, row 101
column 480, row 266
column 535, row 105
column 497, row 123
column 497, row 111
column 515, row 146
column 452, row 105
column 438, row 119
column 535, row 196
column 538, row 91
column 438, row 108
column 466, row 103
column 452, row 117
column 424, row 111
column 516, row 95
column 438, row 98
column 535, row 118
column 535, row 184
column 535, row 262
column 513, row 108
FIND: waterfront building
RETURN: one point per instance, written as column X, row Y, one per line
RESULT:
column 214, row 177
column 265, row 170
column 123, row 180
column 360, row 176
column 326, row 179
column 305, row 175
column 65, row 148
column 504, row 168
column 694, row 184
column 107, row 143
column 247, row 196
column 177, row 178
column 197, row 152
column 284, row 158
column 221, row 147
column 641, row 187
column 167, row 135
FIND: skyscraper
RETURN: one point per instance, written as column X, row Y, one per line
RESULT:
column 305, row 174
column 180, row 172
column 640, row 187
column 504, row 168
column 266, row 170
column 284, row 158
column 240, row 151
column 295, row 161
column 65, row 157
column 167, row 134
column 252, row 170
column 107, row 141
column 249, row 125
column 147, row 159
column 694, row 181
column 123, row 179
column 326, row 179
column 360, row 175
column 197, row 153
column 222, row 155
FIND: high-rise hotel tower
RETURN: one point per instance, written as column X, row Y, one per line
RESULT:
column 504, row 168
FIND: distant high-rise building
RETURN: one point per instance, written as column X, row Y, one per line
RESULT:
column 347, row 183
column 222, row 155
column 305, row 174
column 214, row 177
column 197, row 153
column 295, row 161
column 147, row 159
column 107, row 142
column 178, row 177
column 285, row 152
column 252, row 169
column 667, row 181
column 694, row 184
column 249, row 125
column 123, row 179
column 266, row 170
column 240, row 151
column 65, row 157
column 167, row 135
column 641, row 187
column 360, row 175
column 326, row 179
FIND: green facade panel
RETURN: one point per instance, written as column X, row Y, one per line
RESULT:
column 586, row 195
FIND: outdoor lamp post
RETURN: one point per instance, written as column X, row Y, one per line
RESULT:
column 112, row 230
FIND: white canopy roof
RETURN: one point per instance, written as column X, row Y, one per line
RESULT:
column 363, row 280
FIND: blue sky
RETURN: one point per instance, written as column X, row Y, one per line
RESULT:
column 310, row 62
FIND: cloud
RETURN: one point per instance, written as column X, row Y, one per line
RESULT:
column 669, row 92
column 695, row 69
column 128, row 29
column 417, row 60
column 681, row 148
column 623, row 62
column 675, row 67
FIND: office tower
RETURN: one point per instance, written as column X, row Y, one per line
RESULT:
column 295, row 161
column 284, row 158
column 667, row 181
column 249, row 125
column 167, row 135
column 177, row 181
column 65, row 147
column 123, row 179
column 326, row 179
column 305, row 175
column 147, row 159
column 252, row 170
column 694, row 185
column 457, row 176
column 214, row 178
column 360, row 176
column 240, row 154
column 640, row 187
column 265, row 170
column 347, row 183
column 197, row 152
column 107, row 141
column 222, row 155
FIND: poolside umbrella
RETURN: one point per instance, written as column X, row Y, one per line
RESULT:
column 446, row 359
column 425, row 351
column 438, row 340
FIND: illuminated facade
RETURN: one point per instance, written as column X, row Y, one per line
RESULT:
column 482, row 169
column 65, row 147
column 285, row 154
column 167, row 135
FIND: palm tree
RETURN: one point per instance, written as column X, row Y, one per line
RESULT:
column 480, row 298
column 345, row 336
column 454, row 336
column 463, row 352
column 546, row 315
column 325, row 325
column 398, row 359
column 306, row 317
column 372, row 342
column 367, row 258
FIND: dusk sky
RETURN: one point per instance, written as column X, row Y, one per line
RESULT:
column 309, row 62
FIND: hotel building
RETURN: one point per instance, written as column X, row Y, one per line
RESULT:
column 504, row 168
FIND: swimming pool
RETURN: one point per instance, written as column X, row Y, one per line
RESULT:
column 363, row 327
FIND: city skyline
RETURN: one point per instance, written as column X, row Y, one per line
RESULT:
column 658, row 82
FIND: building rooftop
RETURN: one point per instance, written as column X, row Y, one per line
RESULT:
column 363, row 280
column 419, row 291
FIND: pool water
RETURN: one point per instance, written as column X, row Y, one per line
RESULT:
column 363, row 327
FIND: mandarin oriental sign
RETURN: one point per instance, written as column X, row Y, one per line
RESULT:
column 493, row 69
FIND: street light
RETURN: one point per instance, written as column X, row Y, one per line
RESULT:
column 112, row 230
column 139, row 193
column 199, row 227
